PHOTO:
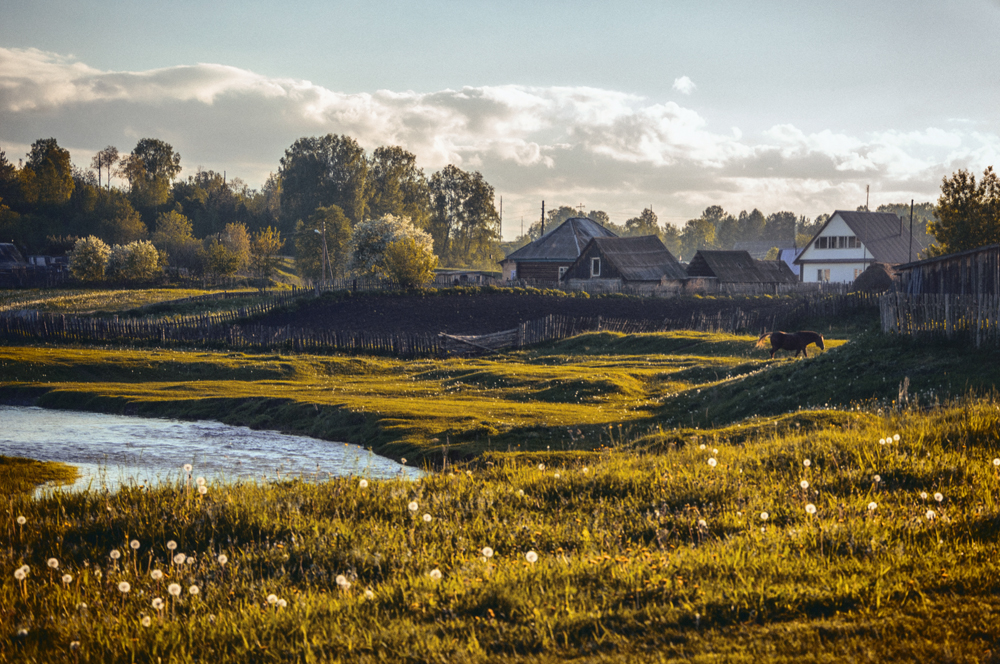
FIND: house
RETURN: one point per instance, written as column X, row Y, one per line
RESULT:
column 972, row 272
column 609, row 263
column 548, row 257
column 851, row 241
column 447, row 277
column 737, row 269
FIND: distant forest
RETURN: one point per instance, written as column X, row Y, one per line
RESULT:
column 47, row 203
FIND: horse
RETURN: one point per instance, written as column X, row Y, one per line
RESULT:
column 796, row 341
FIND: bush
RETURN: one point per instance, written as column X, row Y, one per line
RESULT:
column 409, row 263
column 371, row 239
column 136, row 261
column 89, row 258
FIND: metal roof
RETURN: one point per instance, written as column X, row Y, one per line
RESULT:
column 641, row 258
column 883, row 234
column 563, row 244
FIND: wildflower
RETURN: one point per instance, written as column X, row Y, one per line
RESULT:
column 134, row 544
column 179, row 559
column 200, row 481
column 520, row 492
column 202, row 490
column 157, row 603
column 701, row 447
column 188, row 467
column 702, row 523
column 715, row 451
column 881, row 441
column 804, row 484
column 531, row 557
column 435, row 574
column 413, row 506
column 171, row 545
column 541, row 466
column 487, row 552
column 923, row 495
column 872, row 506
column 146, row 621
column 174, row 589
column 272, row 599
column 557, row 476
column 810, row 509
column 427, row 518
column 930, row 515
column 895, row 437
column 67, row 579
column 194, row 590
column 282, row 603
column 712, row 462
column 369, row 595
column 156, row 574
column 807, row 463
column 53, row 563
column 19, row 574
column 223, row 559
column 342, row 582
column 764, row 516
column 124, row 586
column 585, row 470
column 363, row 484
column 21, row 520
column 877, row 479
column 938, row 497
column 115, row 554
column 996, row 462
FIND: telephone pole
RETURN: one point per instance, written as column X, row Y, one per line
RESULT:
column 543, row 220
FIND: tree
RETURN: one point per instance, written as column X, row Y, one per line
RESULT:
column 371, row 238
column 322, row 171
column 309, row 243
column 697, row 234
column 671, row 238
column 751, row 226
column 220, row 260
column 923, row 215
column 89, row 258
column 409, row 262
column 150, row 169
column 52, row 170
column 397, row 186
column 645, row 224
column 105, row 160
column 174, row 237
column 465, row 226
column 116, row 220
column 780, row 227
column 135, row 261
column 264, row 249
column 968, row 213
column 237, row 240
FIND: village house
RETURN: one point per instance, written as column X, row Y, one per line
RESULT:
column 548, row 257
column 736, row 271
column 851, row 241
column 607, row 264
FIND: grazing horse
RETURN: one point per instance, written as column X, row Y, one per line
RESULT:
column 796, row 341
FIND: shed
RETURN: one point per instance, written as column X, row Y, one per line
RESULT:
column 548, row 257
column 738, row 267
column 971, row 272
column 624, row 261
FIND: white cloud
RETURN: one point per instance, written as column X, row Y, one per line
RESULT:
column 610, row 149
column 684, row 85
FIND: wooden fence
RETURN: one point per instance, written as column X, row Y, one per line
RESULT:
column 975, row 318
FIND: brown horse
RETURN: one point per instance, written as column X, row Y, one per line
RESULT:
column 796, row 341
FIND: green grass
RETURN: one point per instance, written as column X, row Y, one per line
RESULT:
column 18, row 476
column 93, row 301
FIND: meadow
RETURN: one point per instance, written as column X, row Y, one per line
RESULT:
column 661, row 497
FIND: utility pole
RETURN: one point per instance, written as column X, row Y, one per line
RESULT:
column 326, row 254
column 910, row 255
column 501, row 218
column 867, row 188
column 543, row 220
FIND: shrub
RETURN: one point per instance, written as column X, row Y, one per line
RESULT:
column 136, row 261
column 409, row 263
column 89, row 258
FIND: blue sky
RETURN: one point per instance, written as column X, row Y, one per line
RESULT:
column 618, row 106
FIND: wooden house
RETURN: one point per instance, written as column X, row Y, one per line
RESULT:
column 851, row 241
column 548, row 257
column 972, row 272
column 736, row 271
column 611, row 263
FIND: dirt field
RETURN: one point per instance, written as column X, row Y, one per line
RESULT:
column 490, row 312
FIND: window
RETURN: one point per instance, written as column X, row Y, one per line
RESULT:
column 562, row 271
column 857, row 273
column 822, row 275
column 821, row 242
column 595, row 267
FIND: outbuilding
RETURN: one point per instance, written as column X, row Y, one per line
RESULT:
column 610, row 263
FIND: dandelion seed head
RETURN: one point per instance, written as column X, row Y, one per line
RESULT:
column 272, row 599
column 427, row 518
column 174, row 589
column 146, row 621
column 804, row 484
column 881, row 441
column 282, row 603
column 520, row 492
column 938, row 497
column 531, row 557
column 996, row 462
column 156, row 574
column 67, row 578
column 541, row 466
column 342, row 581
column 135, row 545
column 557, row 476
column 115, row 554
column 124, row 586
column 179, row 559
column 585, row 470
column 200, row 481
column 807, row 463
column 188, row 468
column 363, row 484
column 223, row 559
column 369, row 595
column 923, row 495
column 202, row 490
column 877, row 479
column 435, row 574
column 712, row 462
column 810, row 509
column 764, row 516
column 53, row 563
column 413, row 506
column 930, row 515
column 702, row 523
column 194, row 590
column 487, row 552
column 171, row 545
column 872, row 506
column 701, row 447
column 19, row 574
column 157, row 603
column 22, row 632
column 895, row 437
column 21, row 520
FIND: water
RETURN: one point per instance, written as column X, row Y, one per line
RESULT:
column 109, row 450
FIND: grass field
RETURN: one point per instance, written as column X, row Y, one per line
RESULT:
column 605, row 500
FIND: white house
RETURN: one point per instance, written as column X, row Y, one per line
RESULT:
column 851, row 241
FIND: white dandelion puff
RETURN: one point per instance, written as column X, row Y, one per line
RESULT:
column 427, row 518
column 804, row 484
column 531, row 557
column 810, row 509
column 53, row 563
column 156, row 574
column 938, row 497
column 202, row 490
column 146, row 621
column 21, row 520
column 157, row 603
column 200, row 481
column 363, row 484
column 223, row 559
column 135, row 545
column 712, row 462
column 174, row 589
column 369, row 595
column 115, row 554
column 764, row 516
column 124, row 586
column 272, row 599
column 435, row 574
column 930, row 515
column 188, row 468
column 171, row 545
column 179, row 559
column 194, row 590
column 413, row 506
column 487, row 552
column 872, row 506
column 67, row 578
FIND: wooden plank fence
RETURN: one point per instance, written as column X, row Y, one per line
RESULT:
column 975, row 318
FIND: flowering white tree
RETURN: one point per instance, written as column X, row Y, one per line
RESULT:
column 372, row 238
column 89, row 258
column 136, row 261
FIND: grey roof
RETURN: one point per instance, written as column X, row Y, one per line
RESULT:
column 882, row 233
column 758, row 248
column 738, row 267
column 562, row 244
column 641, row 258
column 10, row 256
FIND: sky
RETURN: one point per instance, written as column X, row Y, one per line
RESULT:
column 614, row 106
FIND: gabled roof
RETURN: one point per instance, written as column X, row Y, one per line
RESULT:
column 883, row 235
column 738, row 267
column 10, row 256
column 638, row 258
column 563, row 244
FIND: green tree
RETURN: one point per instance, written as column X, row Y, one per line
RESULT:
column 89, row 258
column 410, row 263
column 923, row 215
column 309, row 243
column 52, row 170
column 150, row 169
column 697, row 234
column 135, row 261
column 397, row 186
column 371, row 238
column 237, row 240
column 322, row 171
column 671, row 238
column 968, row 213
column 220, row 260
column 465, row 226
column 750, row 226
column 105, row 161
column 174, row 238
column 645, row 224
column 780, row 227
column 265, row 248
column 116, row 220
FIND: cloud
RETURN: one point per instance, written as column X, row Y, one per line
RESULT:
column 611, row 150
column 684, row 85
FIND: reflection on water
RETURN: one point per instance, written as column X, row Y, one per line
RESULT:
column 113, row 449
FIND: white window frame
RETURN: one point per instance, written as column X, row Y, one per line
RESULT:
column 595, row 267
